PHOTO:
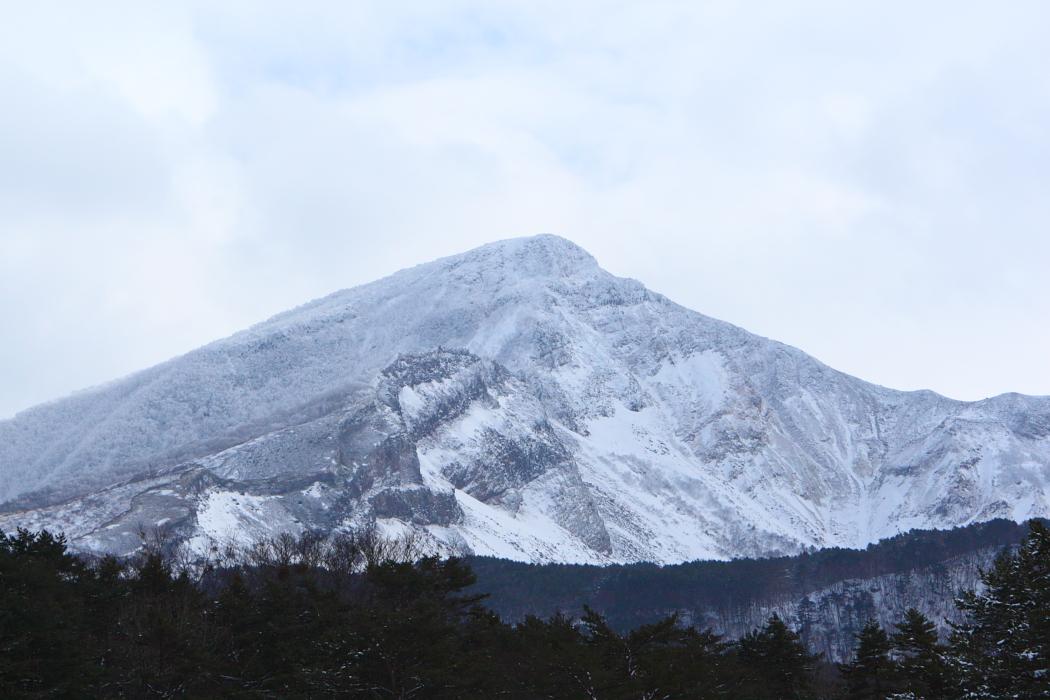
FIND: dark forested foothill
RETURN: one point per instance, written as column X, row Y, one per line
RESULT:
column 633, row 594
column 355, row 616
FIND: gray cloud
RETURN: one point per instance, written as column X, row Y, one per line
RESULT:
column 865, row 181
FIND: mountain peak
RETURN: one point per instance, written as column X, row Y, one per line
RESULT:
column 543, row 255
column 515, row 400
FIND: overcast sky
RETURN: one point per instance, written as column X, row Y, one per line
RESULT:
column 867, row 181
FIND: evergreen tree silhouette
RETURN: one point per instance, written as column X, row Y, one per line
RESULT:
column 775, row 663
column 870, row 675
column 921, row 658
column 1002, row 649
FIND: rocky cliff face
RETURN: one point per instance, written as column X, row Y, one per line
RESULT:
column 517, row 401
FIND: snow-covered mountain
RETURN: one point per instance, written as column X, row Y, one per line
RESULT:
column 517, row 401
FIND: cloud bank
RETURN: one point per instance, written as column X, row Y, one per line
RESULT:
column 866, row 181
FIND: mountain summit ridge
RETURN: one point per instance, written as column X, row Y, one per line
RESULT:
column 518, row 400
column 531, row 253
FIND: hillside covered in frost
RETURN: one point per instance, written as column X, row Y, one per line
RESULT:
column 517, row 401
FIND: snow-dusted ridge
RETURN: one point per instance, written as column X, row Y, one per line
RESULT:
column 518, row 401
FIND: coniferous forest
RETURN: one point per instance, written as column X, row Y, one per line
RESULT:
column 359, row 616
column 631, row 595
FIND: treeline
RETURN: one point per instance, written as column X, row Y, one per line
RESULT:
column 359, row 616
column 629, row 595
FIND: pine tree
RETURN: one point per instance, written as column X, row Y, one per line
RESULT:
column 616, row 671
column 1003, row 647
column 554, row 660
column 921, row 658
column 160, row 631
column 775, row 663
column 871, row 673
column 677, row 661
column 41, row 618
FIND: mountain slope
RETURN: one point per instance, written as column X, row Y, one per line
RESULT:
column 519, row 401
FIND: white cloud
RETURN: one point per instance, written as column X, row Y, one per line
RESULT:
column 866, row 180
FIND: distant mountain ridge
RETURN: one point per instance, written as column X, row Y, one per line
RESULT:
column 518, row 401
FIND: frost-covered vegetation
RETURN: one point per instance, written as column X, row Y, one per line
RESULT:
column 360, row 616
